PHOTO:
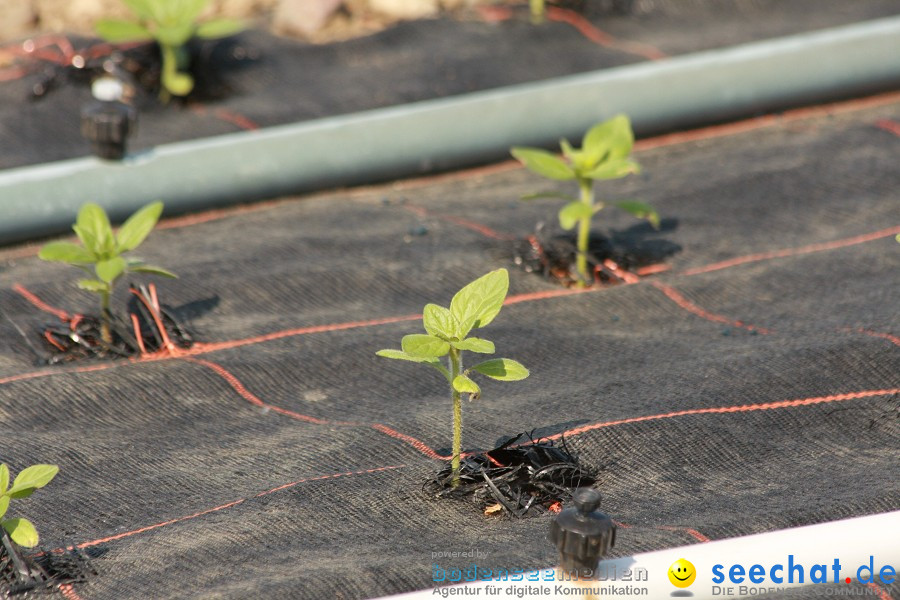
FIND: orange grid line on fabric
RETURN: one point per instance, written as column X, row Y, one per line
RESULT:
column 228, row 505
column 676, row 297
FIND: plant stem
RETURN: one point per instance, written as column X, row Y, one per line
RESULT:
column 169, row 68
column 456, row 369
column 584, row 232
column 105, row 333
column 537, row 12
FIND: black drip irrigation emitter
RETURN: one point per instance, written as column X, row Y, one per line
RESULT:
column 582, row 534
column 516, row 480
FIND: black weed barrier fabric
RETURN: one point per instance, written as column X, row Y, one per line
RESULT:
column 259, row 80
column 751, row 387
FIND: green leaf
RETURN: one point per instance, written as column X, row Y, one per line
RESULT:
column 568, row 151
column 615, row 169
column 219, row 28
column 400, row 355
column 473, row 344
column 4, row 505
column 22, row 532
column 543, row 163
column 93, row 229
column 573, row 212
column 439, row 321
column 425, row 346
column 138, row 227
column 109, row 270
column 580, row 160
column 464, row 385
column 557, row 195
column 66, row 252
column 641, row 211
column 35, row 476
column 92, row 285
column 152, row 270
column 117, row 30
column 609, row 140
column 503, row 369
column 4, row 478
column 174, row 35
column 478, row 303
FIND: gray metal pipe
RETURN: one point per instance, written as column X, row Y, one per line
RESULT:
column 381, row 144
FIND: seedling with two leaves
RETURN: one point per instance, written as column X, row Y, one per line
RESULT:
column 604, row 154
column 101, row 252
column 20, row 530
column 447, row 334
column 172, row 23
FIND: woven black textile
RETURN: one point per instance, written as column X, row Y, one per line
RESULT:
column 716, row 399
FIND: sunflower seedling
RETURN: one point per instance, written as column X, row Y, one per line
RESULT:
column 20, row 530
column 474, row 306
column 604, row 154
column 172, row 23
column 100, row 252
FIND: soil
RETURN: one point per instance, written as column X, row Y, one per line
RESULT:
column 34, row 17
column 25, row 573
column 150, row 328
column 522, row 477
column 620, row 257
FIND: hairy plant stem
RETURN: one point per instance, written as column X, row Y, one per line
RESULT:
column 105, row 332
column 456, row 369
column 584, row 233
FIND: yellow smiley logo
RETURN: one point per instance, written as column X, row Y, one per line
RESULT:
column 682, row 573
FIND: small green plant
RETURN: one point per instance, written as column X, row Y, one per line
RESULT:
column 474, row 306
column 604, row 154
column 172, row 23
column 20, row 530
column 102, row 250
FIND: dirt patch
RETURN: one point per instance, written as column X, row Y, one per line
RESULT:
column 313, row 20
column 522, row 477
column 620, row 257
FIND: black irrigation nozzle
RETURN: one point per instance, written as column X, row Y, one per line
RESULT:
column 582, row 534
column 106, row 121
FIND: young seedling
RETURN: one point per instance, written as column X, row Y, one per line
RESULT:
column 604, row 154
column 102, row 250
column 472, row 307
column 20, row 530
column 172, row 23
